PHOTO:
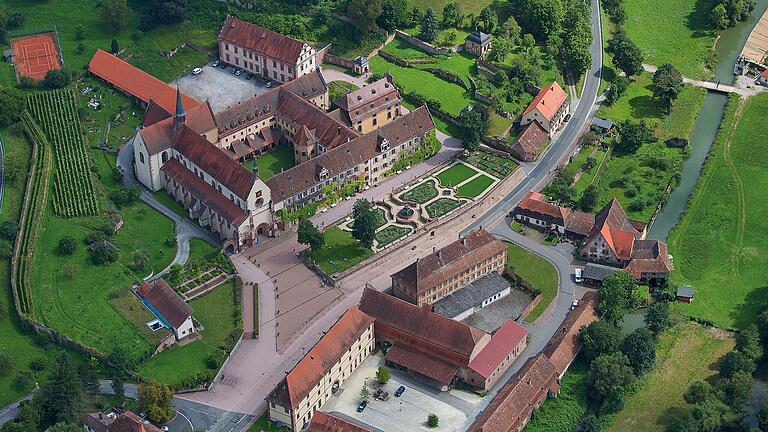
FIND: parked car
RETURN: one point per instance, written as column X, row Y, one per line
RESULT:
column 249, row 76
column 575, row 304
column 400, row 390
column 239, row 72
column 567, row 116
column 164, row 428
column 270, row 84
column 578, row 276
column 197, row 71
column 216, row 63
column 361, row 407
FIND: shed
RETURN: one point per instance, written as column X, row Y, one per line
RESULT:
column 685, row 293
column 602, row 125
column 594, row 274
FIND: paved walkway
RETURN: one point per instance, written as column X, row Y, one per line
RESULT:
column 744, row 91
column 337, row 75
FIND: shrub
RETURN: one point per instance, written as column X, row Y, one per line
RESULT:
column 67, row 245
column 6, row 249
column 103, row 254
column 215, row 359
column 6, row 364
column 57, row 78
column 24, row 379
column 124, row 196
column 38, row 363
column 433, row 421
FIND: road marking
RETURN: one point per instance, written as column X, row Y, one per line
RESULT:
column 188, row 420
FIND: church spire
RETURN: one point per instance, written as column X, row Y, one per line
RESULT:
column 180, row 116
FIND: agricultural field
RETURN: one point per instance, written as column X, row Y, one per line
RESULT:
column 677, row 32
column 441, row 207
column 341, row 251
column 538, row 272
column 475, row 187
column 721, row 243
column 562, row 413
column 455, row 175
column 685, row 353
column 420, row 193
column 389, row 234
column 56, row 112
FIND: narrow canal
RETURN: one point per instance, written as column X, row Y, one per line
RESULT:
column 705, row 129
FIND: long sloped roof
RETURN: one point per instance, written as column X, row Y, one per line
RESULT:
column 165, row 300
column 260, row 40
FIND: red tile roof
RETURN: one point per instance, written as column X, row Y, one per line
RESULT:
column 503, row 342
column 371, row 98
column 649, row 256
column 154, row 113
column 165, row 301
column 548, row 101
column 619, row 232
column 422, row 363
column 764, row 74
column 130, row 422
column 324, row 422
column 204, row 192
column 421, row 322
column 530, row 142
column 261, row 40
column 513, row 405
column 566, row 342
column 438, row 266
column 536, row 204
column 136, row 82
column 580, row 223
column 328, row 350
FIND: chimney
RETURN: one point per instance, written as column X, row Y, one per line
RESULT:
column 464, row 241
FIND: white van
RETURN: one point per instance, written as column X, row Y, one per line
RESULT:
column 577, row 276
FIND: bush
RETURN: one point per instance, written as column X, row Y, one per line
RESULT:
column 104, row 254
column 24, row 379
column 57, row 78
column 6, row 364
column 215, row 359
column 433, row 421
column 124, row 196
column 6, row 249
column 67, row 245
column 38, row 363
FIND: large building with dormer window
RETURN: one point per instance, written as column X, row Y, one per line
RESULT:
column 264, row 52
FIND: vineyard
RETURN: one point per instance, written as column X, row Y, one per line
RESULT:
column 31, row 214
column 73, row 193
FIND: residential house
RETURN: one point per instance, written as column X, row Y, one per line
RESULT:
column 264, row 52
column 494, row 359
column 322, row 370
column 548, row 108
column 565, row 344
column 369, row 107
column 117, row 420
column 325, row 422
column 478, row 43
column 612, row 237
column 167, row 307
column 535, row 210
column 460, row 263
column 529, row 144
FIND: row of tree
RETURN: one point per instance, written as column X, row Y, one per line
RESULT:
column 363, row 227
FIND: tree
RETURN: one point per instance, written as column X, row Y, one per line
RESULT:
column 365, row 394
column 382, row 375
column 57, row 78
column 115, row 14
column 104, row 253
column 588, row 199
column 511, row 30
column 618, row 88
column 683, row 421
column 124, row 196
column 543, row 18
column 599, row 338
column 433, row 421
column 473, row 128
column 667, row 85
column 8, row 230
column 588, row 423
column 364, row 226
column 748, row 342
column 15, row 19
column 156, row 400
column 608, row 376
column 62, row 398
column 119, row 359
column 698, row 392
column 115, row 47
column 632, row 136
column 12, row 103
column 628, row 57
column 6, row 364
column 64, row 427
column 14, row 166
column 577, row 41
column 735, row 390
column 614, row 296
column 451, row 15
column 118, row 388
column 488, row 19
column 67, row 245
column 657, row 317
column 429, row 25
column 500, row 50
column 736, row 361
column 640, row 348
column 6, row 249
column 363, row 13
column 80, row 32
column 394, row 14
column 310, row 235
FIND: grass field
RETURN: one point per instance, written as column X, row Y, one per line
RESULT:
column 563, row 412
column 455, row 174
column 475, row 186
column 341, row 251
column 676, row 32
column 199, row 248
column 721, row 243
column 538, row 272
column 685, row 353
column 263, row 424
column 337, row 89
column 273, row 162
column 498, row 125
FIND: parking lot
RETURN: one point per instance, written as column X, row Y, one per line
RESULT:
column 408, row 412
column 220, row 87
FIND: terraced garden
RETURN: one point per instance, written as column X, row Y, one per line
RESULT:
column 73, row 193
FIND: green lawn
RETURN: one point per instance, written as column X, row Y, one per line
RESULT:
column 130, row 308
column 455, row 174
column 676, row 32
column 721, row 243
column 452, row 97
column 263, row 424
column 475, row 187
column 538, row 272
column 273, row 162
column 341, row 251
column 588, row 176
column 214, row 311
column 420, row 193
column 173, row 365
column 562, row 413
column 498, row 125
column 337, row 89
column 199, row 248
column 685, row 353
column 403, row 50
column 465, row 6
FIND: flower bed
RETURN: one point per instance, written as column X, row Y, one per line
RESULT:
column 390, row 234
column 441, row 207
column 420, row 193
column 495, row 165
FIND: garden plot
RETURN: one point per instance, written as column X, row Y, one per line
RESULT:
column 497, row 166
column 387, row 231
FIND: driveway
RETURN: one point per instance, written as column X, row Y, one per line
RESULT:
column 220, row 87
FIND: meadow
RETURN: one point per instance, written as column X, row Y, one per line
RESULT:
column 538, row 272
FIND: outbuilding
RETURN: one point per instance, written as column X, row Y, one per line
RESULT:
column 684, row 293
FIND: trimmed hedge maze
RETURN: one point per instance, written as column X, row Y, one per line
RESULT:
column 73, row 192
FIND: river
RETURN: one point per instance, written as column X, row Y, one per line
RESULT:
column 728, row 48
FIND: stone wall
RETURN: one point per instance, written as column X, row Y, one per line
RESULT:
column 424, row 46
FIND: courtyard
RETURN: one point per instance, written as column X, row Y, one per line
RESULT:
column 408, row 412
column 220, row 87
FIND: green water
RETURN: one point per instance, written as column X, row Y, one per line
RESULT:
column 705, row 130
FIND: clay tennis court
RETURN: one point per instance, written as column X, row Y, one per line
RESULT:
column 35, row 55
